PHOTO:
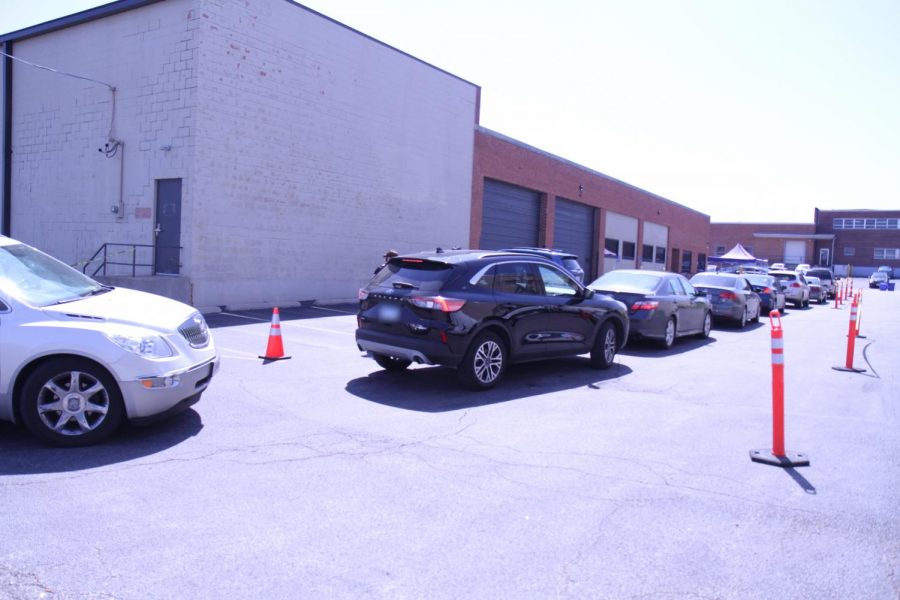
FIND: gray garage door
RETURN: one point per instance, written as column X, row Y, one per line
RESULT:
column 511, row 216
column 574, row 232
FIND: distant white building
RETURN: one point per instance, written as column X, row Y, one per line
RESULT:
column 280, row 150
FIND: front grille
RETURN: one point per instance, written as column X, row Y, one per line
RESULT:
column 195, row 331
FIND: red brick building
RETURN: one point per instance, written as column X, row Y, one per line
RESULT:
column 522, row 196
column 861, row 239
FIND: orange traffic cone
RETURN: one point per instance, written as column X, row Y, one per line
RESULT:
column 274, row 349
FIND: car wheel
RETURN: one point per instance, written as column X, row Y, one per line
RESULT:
column 707, row 326
column 670, row 333
column 742, row 322
column 484, row 362
column 756, row 316
column 391, row 363
column 604, row 351
column 71, row 402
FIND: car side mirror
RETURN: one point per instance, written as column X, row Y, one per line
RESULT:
column 587, row 293
column 699, row 293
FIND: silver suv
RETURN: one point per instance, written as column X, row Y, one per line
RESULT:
column 827, row 278
column 796, row 290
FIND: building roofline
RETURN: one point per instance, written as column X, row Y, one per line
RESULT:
column 120, row 6
column 550, row 155
column 796, row 236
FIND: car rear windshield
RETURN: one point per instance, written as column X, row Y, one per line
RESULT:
column 413, row 274
column 571, row 264
column 759, row 279
column 820, row 273
column 716, row 280
column 618, row 279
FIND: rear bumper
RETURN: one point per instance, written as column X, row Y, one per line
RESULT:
column 418, row 350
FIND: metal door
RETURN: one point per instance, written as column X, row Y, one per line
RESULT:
column 574, row 232
column 168, row 227
column 510, row 216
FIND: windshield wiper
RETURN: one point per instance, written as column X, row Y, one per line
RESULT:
column 403, row 285
column 83, row 295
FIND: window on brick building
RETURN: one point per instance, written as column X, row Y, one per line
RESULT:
column 849, row 251
column 628, row 250
column 887, row 253
column 686, row 257
column 647, row 253
column 720, row 250
column 660, row 256
column 612, row 245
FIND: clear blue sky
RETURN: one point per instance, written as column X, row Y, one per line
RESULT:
column 747, row 110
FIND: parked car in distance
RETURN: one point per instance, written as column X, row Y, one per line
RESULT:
column 888, row 270
column 661, row 306
column 826, row 277
column 816, row 290
column 730, row 296
column 803, row 267
column 877, row 278
column 566, row 260
column 770, row 292
column 480, row 311
column 79, row 357
column 795, row 289
column 777, row 267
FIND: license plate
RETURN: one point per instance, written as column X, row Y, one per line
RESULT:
column 388, row 313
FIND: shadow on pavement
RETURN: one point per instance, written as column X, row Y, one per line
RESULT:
column 801, row 481
column 22, row 454
column 230, row 318
column 436, row 389
column 649, row 348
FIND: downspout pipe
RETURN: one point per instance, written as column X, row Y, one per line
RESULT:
column 6, row 228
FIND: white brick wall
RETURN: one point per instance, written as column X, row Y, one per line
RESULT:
column 305, row 149
column 62, row 187
column 318, row 149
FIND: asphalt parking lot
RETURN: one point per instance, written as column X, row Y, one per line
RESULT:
column 322, row 476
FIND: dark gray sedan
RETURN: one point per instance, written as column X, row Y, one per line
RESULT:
column 731, row 296
column 661, row 305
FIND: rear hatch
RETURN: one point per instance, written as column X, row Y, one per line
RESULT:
column 406, row 291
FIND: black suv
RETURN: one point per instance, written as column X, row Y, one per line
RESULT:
column 480, row 310
column 566, row 260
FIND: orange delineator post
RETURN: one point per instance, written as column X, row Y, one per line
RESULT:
column 778, row 456
column 275, row 348
column 851, row 342
column 859, row 313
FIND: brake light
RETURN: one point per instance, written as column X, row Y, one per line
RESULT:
column 796, row 284
column 728, row 296
column 440, row 303
column 645, row 305
column 412, row 260
column 362, row 294
column 767, row 290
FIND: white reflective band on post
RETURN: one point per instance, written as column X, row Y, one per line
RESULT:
column 778, row 359
column 778, row 343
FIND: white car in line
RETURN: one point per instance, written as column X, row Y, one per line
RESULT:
column 79, row 357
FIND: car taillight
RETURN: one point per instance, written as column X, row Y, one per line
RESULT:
column 767, row 290
column 437, row 303
column 796, row 284
column 728, row 296
column 646, row 305
column 362, row 294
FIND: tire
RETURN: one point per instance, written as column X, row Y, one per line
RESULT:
column 484, row 363
column 670, row 334
column 707, row 326
column 742, row 322
column 756, row 316
column 605, row 347
column 391, row 363
column 71, row 402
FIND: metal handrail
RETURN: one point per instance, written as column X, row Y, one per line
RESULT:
column 131, row 249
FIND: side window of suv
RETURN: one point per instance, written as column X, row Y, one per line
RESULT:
column 555, row 283
column 515, row 278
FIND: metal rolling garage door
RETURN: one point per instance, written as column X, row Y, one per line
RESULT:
column 510, row 216
column 574, row 232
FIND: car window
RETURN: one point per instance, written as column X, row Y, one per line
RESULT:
column 417, row 274
column 555, row 283
column 516, row 278
column 716, row 280
column 486, row 281
column 688, row 288
column 674, row 287
column 627, row 279
column 39, row 279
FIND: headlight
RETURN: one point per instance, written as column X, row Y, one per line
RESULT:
column 149, row 346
